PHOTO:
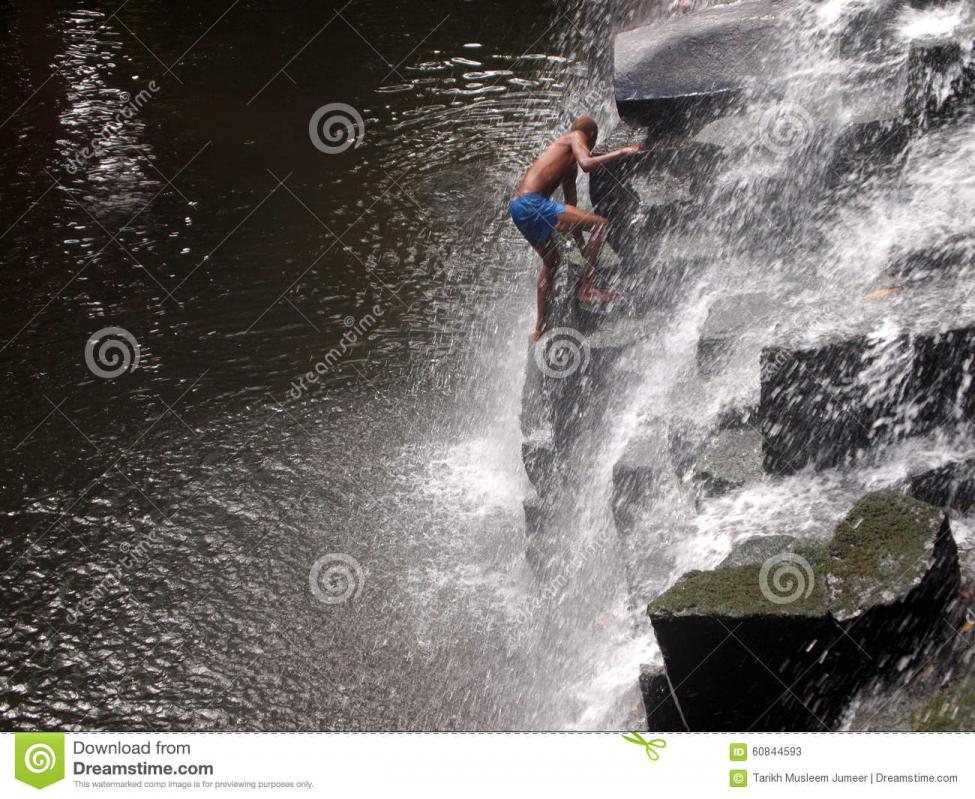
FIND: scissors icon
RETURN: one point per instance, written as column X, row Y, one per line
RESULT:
column 650, row 746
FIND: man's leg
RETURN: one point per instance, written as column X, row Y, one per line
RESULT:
column 575, row 219
column 550, row 264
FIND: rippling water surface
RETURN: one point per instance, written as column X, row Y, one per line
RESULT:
column 159, row 526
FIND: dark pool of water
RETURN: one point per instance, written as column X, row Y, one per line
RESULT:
column 159, row 526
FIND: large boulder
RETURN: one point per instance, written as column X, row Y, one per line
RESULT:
column 782, row 634
column 710, row 54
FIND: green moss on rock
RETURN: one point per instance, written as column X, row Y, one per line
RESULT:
column 740, row 591
column 881, row 550
column 952, row 710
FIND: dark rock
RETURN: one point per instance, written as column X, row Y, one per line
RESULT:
column 865, row 148
column 663, row 714
column 734, row 417
column 717, row 626
column 686, row 440
column 728, row 319
column 586, row 380
column 647, row 194
column 949, row 257
column 933, row 67
column 538, row 455
column 534, row 515
column 951, row 485
column 824, row 405
column 536, row 408
column 709, row 54
column 802, row 630
column 731, row 459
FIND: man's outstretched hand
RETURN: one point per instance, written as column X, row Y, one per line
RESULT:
column 634, row 148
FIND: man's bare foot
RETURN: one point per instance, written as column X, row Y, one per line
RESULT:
column 591, row 294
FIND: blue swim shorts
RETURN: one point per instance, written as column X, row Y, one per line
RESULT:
column 536, row 216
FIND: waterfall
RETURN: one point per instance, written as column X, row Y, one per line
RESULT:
column 825, row 201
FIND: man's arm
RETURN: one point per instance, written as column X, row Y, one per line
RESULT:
column 588, row 162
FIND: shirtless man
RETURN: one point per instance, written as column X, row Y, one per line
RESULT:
column 537, row 216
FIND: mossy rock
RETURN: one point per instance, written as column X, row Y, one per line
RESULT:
column 880, row 551
column 740, row 591
column 952, row 710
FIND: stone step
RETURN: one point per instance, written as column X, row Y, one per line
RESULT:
column 827, row 403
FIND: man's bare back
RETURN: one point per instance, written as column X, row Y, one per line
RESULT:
column 551, row 168
column 538, row 217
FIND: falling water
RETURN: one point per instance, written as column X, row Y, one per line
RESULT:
column 407, row 457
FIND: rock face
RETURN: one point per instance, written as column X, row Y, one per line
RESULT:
column 645, row 194
column 709, row 201
column 797, row 632
column 822, row 405
column 714, row 52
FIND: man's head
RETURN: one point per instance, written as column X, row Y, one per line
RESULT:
column 588, row 126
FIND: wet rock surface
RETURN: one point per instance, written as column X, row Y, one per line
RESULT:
column 825, row 405
column 828, row 395
column 712, row 52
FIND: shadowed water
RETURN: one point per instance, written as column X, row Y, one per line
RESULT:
column 159, row 527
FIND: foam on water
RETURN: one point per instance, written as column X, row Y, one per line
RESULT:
column 937, row 21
